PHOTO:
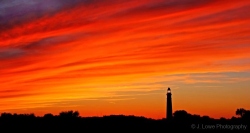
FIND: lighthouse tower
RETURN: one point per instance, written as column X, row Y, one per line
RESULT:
column 169, row 112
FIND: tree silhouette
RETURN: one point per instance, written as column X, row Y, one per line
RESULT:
column 181, row 115
column 6, row 115
column 69, row 114
column 180, row 112
column 246, row 115
column 48, row 115
column 240, row 112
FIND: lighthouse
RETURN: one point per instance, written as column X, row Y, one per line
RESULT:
column 169, row 111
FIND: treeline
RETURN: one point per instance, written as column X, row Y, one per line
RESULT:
column 182, row 120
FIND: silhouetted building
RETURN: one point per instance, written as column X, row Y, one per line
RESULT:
column 169, row 112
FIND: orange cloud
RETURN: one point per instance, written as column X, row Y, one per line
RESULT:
column 106, row 49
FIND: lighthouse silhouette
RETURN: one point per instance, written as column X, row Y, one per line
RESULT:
column 169, row 110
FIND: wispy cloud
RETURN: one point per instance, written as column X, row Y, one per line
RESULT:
column 52, row 51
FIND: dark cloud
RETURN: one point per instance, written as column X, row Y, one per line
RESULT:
column 26, row 71
column 20, row 11
column 169, row 6
column 10, row 91
column 237, row 13
column 46, row 42
column 11, row 53
column 38, row 46
column 14, row 96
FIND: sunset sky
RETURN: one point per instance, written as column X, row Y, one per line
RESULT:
column 104, row 57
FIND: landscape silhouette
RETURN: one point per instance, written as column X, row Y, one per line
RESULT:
column 72, row 121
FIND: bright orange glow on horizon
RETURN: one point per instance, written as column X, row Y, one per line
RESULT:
column 119, row 57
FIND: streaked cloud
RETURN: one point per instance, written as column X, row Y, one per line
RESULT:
column 53, row 52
